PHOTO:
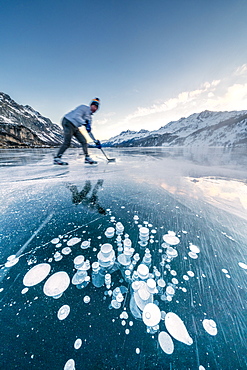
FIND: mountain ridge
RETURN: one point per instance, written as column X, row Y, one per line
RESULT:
column 207, row 128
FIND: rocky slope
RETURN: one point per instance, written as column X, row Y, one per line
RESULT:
column 22, row 126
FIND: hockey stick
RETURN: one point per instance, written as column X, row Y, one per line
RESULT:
column 109, row 159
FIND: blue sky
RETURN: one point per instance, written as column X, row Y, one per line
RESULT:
column 150, row 62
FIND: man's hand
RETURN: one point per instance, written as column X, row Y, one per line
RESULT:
column 98, row 144
column 88, row 126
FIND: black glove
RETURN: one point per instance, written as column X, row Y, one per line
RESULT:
column 88, row 126
column 98, row 144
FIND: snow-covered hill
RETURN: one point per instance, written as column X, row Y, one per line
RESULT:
column 23, row 126
column 200, row 129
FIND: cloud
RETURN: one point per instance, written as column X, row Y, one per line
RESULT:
column 183, row 99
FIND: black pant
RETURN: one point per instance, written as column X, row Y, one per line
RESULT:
column 70, row 130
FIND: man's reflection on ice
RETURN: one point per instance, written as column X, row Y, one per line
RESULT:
column 83, row 197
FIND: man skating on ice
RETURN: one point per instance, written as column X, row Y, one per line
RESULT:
column 80, row 116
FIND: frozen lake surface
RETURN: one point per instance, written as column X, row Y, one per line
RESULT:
column 137, row 264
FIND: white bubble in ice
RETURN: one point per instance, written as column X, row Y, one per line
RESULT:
column 109, row 233
column 161, row 283
column 185, row 277
column 85, row 244
column 176, row 328
column 136, row 218
column 193, row 255
column 151, row 315
column 11, row 261
column 171, row 238
column 191, row 273
column 58, row 245
column 115, row 304
column 242, row 265
column 78, row 343
column 225, row 271
column 194, row 248
column 210, row 326
column 174, row 281
column 127, row 331
column 63, row 312
column 55, row 241
column 70, row 365
column 170, row 290
column 166, row 342
column 56, row 284
column 138, row 351
column 36, row 274
column 123, row 322
column 24, row 290
column 73, row 241
column 66, row 251
column 201, row 367
column 131, row 323
column 86, row 299
column 124, row 315
column 173, row 273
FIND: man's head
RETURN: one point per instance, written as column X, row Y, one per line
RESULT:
column 94, row 105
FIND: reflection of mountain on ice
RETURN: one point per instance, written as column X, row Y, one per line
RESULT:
column 200, row 129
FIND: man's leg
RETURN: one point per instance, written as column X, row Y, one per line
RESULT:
column 68, row 131
column 82, row 140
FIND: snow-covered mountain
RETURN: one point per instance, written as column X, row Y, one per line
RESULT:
column 200, row 129
column 23, row 126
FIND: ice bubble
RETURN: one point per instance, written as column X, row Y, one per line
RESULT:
column 136, row 218
column 185, row 277
column 194, row 248
column 55, row 241
column 193, row 255
column 174, row 281
column 127, row 331
column 171, row 252
column 242, row 265
column 85, row 244
column 109, row 233
column 58, row 245
column 177, row 329
column 131, row 323
column 151, row 286
column 78, row 343
column 143, row 271
column 210, row 326
column 24, row 291
column 123, row 322
column 115, row 304
column 73, row 241
column 86, row 299
column 191, row 273
column 11, row 261
column 170, row 290
column 70, row 365
column 63, row 312
column 166, row 342
column 119, row 228
column 56, row 284
column 57, row 256
column 66, row 251
column 36, row 274
column 124, row 315
column 225, row 271
column 151, row 315
column 171, row 238
column 201, row 367
column 79, row 261
column 138, row 351
column 161, row 283
column 144, row 232
column 173, row 273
